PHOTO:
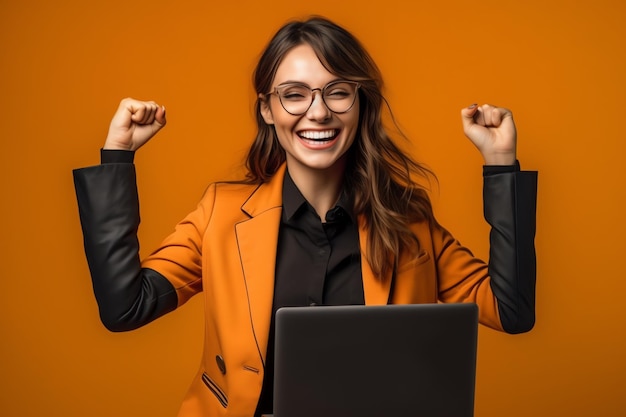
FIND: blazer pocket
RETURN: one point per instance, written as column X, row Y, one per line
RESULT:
column 215, row 389
column 415, row 281
column 420, row 259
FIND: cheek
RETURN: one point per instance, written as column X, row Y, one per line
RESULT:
column 284, row 122
column 284, row 130
column 355, row 115
column 352, row 122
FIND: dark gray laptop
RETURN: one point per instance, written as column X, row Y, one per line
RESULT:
column 376, row 361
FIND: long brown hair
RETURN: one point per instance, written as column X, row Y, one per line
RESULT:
column 378, row 174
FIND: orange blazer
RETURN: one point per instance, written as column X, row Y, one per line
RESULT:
column 226, row 249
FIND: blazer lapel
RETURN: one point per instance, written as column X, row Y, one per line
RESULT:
column 257, row 239
column 376, row 289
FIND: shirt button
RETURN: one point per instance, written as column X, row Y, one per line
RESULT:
column 221, row 364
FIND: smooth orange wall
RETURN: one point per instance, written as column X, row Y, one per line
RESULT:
column 65, row 65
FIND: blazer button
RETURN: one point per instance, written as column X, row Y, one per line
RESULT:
column 221, row 364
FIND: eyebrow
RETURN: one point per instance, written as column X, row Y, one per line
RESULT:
column 293, row 82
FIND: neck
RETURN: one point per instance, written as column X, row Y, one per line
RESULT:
column 321, row 188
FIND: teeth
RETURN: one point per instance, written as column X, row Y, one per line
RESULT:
column 316, row 134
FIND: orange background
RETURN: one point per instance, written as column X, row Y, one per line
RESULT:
column 64, row 66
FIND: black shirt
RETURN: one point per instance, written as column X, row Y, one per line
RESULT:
column 316, row 264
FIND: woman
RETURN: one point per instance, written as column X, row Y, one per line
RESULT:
column 329, row 213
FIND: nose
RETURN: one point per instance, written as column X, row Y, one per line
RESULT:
column 318, row 110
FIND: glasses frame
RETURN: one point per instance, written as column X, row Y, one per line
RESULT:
column 321, row 91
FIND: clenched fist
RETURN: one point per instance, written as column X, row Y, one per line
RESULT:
column 492, row 131
column 134, row 124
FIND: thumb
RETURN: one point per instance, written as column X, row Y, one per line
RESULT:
column 467, row 116
column 159, row 118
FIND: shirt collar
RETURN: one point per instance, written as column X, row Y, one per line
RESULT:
column 293, row 200
column 292, row 197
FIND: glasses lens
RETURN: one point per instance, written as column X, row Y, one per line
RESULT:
column 296, row 99
column 339, row 96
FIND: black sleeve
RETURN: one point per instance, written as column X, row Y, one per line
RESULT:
column 128, row 296
column 510, row 201
column 115, row 156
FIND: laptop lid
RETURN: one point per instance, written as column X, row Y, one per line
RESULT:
column 374, row 361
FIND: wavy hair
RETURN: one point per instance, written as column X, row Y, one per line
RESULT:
column 379, row 175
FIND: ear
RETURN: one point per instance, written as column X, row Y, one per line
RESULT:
column 266, row 111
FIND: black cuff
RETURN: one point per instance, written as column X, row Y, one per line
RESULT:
column 115, row 156
column 500, row 169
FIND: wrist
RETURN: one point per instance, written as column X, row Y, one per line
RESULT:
column 118, row 141
column 500, row 159
column 116, row 147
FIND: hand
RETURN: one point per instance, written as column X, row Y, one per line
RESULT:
column 134, row 124
column 492, row 130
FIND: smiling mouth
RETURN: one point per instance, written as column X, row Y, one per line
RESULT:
column 318, row 135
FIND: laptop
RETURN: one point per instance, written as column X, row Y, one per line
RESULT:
column 376, row 361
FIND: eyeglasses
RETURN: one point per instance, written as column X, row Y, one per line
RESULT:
column 338, row 96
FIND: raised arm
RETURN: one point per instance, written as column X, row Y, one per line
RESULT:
column 510, row 197
column 128, row 295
